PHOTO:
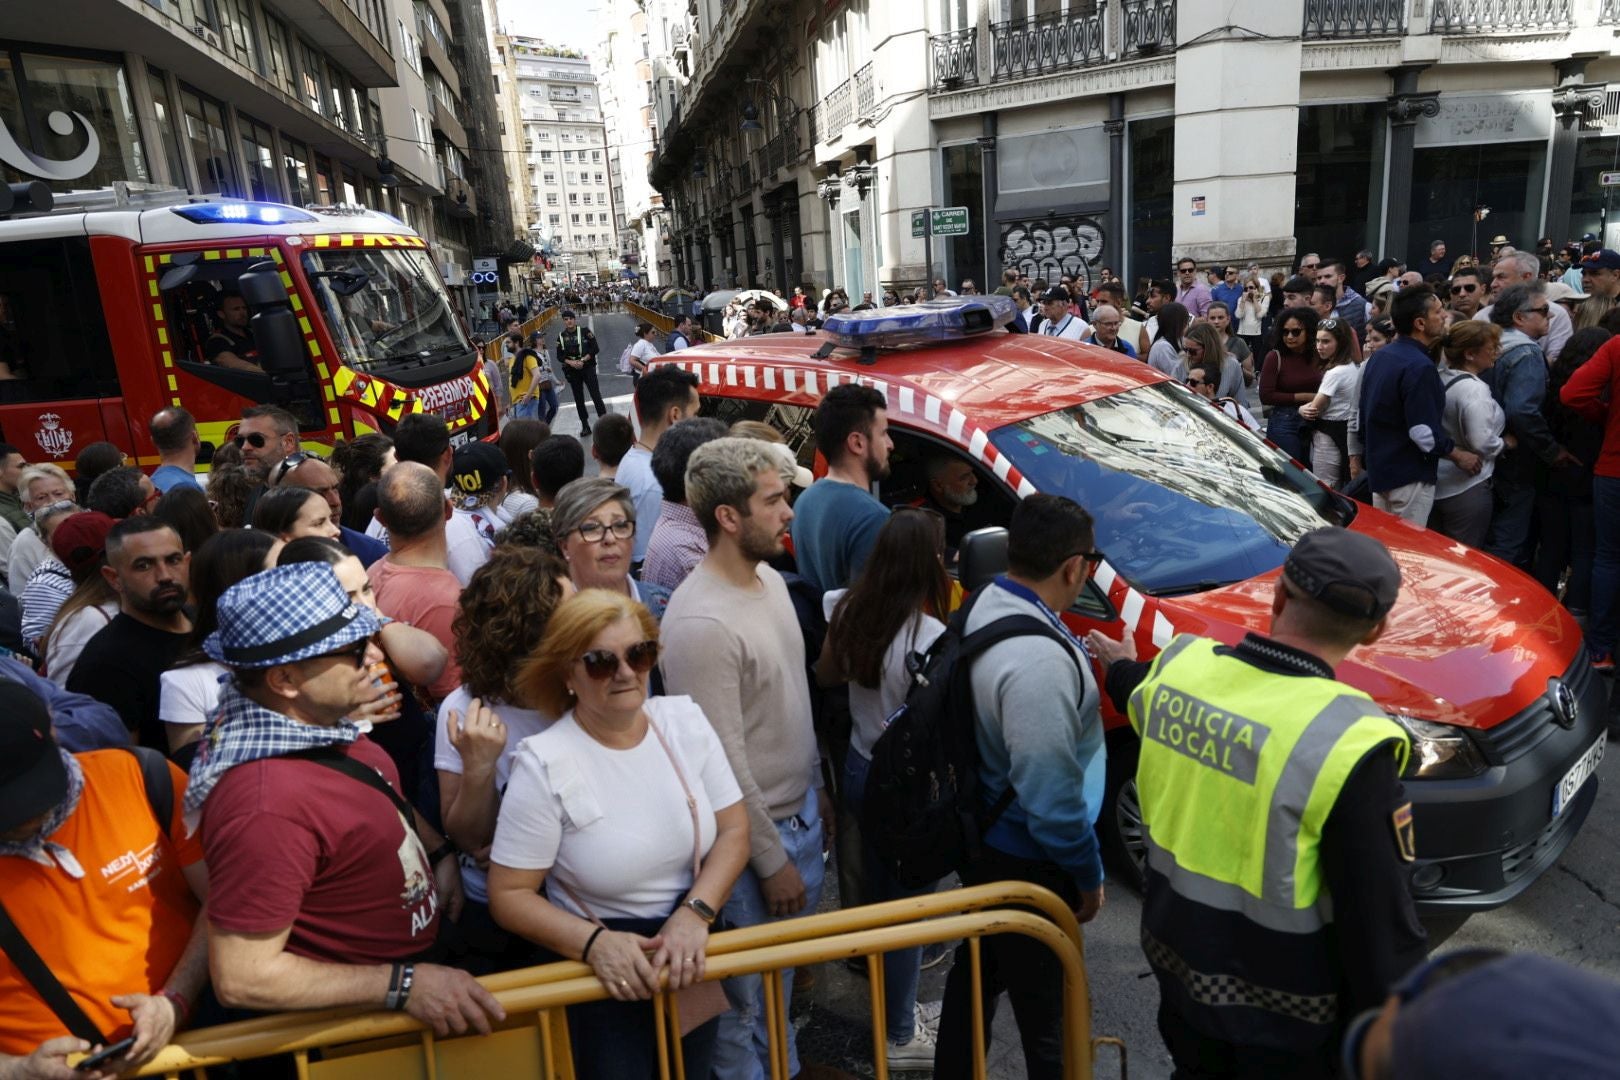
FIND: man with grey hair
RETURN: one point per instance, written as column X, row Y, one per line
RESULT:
column 413, row 582
column 1523, row 268
column 731, row 641
column 1518, row 381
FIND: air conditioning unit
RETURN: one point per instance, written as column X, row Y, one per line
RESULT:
column 207, row 34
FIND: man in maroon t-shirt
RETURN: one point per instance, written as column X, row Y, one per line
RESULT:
column 325, row 893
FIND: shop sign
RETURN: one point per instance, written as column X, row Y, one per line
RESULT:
column 1488, row 119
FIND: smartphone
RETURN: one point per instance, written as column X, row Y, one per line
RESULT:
column 106, row 1054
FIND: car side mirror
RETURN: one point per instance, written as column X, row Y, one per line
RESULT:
column 981, row 557
column 275, row 327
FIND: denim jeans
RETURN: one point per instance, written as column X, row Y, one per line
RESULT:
column 1600, row 625
column 1513, row 521
column 1283, row 428
column 903, row 967
column 743, row 1047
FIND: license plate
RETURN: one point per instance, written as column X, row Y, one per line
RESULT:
column 460, row 438
column 1579, row 773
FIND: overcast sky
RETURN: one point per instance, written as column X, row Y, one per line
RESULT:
column 544, row 19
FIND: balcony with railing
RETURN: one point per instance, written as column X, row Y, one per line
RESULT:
column 1047, row 43
column 1354, row 19
column 865, row 93
column 836, row 111
column 1500, row 16
column 1148, row 26
column 955, row 58
column 1609, row 13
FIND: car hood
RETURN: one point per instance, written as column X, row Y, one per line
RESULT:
column 1470, row 642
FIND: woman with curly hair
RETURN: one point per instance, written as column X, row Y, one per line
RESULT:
column 229, row 488
column 359, row 462
column 504, row 612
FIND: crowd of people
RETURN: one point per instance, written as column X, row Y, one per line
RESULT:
column 302, row 732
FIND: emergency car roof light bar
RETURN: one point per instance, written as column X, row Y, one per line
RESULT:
column 946, row 319
column 243, row 213
column 121, row 195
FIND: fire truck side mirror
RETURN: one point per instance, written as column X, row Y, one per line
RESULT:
column 275, row 327
column 982, row 556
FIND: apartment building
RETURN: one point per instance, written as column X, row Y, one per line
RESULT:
column 625, row 64
column 797, row 139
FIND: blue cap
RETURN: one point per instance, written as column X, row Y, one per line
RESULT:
column 286, row 614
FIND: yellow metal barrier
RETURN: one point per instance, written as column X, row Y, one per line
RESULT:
column 534, row 1039
column 664, row 323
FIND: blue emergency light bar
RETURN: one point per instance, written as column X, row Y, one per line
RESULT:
column 945, row 319
column 243, row 213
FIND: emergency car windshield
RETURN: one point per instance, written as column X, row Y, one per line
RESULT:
column 1184, row 498
column 400, row 315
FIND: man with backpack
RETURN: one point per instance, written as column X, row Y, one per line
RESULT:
column 1039, row 740
column 101, row 938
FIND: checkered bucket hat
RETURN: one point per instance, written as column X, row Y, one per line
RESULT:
column 289, row 613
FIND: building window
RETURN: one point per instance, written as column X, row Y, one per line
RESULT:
column 279, row 56
column 551, row 198
column 555, row 219
column 568, row 157
column 314, row 93
column 211, row 159
column 599, row 178
column 325, row 185
column 573, row 200
column 42, row 85
column 1152, row 152
column 596, row 155
column 236, row 28
column 1339, row 196
column 261, row 160
column 549, row 178
column 168, row 125
column 295, row 170
column 545, row 157
column 573, row 219
column 339, row 111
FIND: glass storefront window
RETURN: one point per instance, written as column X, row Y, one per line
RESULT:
column 295, row 168
column 257, row 150
column 73, row 120
column 210, row 148
column 168, row 123
column 1591, row 206
column 958, row 257
column 1152, row 153
column 1450, row 182
column 1338, row 197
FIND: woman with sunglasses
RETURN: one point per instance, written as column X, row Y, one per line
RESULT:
column 1203, row 347
column 627, row 812
column 894, row 608
column 504, row 612
column 1332, row 412
column 1290, row 376
column 594, row 520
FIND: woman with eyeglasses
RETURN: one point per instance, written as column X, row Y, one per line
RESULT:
column 594, row 520
column 895, row 607
column 1290, row 376
column 1463, row 502
column 1332, row 412
column 628, row 815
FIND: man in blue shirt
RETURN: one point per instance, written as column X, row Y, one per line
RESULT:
column 1348, row 304
column 174, row 433
column 1401, row 406
column 1228, row 292
column 836, row 520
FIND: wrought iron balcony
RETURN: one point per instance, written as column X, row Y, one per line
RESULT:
column 1498, row 16
column 1609, row 13
column 837, row 110
column 1354, row 18
column 865, row 95
column 1150, row 26
column 1047, row 43
column 956, row 58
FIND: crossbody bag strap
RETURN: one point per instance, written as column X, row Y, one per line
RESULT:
column 45, row 984
column 338, row 761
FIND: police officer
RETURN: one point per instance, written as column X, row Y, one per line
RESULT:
column 577, row 350
column 1278, row 903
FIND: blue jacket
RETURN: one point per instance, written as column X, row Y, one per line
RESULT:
column 80, row 722
column 1518, row 382
column 1402, row 403
column 365, row 548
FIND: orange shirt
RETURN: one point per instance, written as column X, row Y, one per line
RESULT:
column 121, row 928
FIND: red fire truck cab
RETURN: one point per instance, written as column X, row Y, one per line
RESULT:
column 107, row 302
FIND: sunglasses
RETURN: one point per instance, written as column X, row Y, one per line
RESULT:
column 1293, row 331
column 291, row 462
column 603, row 664
column 1328, row 324
column 1455, row 289
column 1544, row 310
column 254, row 440
column 1195, row 383
column 354, row 653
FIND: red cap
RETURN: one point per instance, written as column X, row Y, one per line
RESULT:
column 81, row 540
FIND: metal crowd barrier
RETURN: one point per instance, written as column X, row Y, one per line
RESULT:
column 533, row 1041
column 663, row 323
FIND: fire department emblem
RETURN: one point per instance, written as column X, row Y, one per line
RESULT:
column 52, row 437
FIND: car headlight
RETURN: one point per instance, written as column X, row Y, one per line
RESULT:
column 1439, row 751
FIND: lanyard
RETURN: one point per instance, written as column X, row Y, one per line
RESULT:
column 1056, row 330
column 1024, row 592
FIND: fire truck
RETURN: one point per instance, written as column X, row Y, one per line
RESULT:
column 108, row 301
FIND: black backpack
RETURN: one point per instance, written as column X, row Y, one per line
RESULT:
column 923, row 814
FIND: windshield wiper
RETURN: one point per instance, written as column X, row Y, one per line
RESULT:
column 1193, row 587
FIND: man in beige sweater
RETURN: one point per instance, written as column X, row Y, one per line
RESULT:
column 732, row 643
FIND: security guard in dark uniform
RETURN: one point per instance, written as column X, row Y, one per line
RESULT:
column 1278, row 903
column 577, row 351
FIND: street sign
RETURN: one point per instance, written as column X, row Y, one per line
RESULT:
column 487, row 266
column 919, row 222
column 1610, row 179
column 951, row 221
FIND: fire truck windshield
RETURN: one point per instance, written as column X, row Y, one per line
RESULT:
column 395, row 312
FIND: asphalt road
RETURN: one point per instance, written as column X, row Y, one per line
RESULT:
column 613, row 332
column 1572, row 912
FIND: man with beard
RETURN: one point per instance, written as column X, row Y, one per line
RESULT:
column 953, row 486
column 836, row 520
column 732, row 643
column 149, row 570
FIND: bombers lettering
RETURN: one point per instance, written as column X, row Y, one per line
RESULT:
column 1187, row 725
column 440, row 397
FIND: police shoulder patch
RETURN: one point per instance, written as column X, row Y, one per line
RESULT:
column 1405, row 838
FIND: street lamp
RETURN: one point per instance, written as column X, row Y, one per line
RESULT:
column 750, row 112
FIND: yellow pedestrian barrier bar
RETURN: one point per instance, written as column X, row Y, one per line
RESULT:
column 534, row 1039
column 664, row 323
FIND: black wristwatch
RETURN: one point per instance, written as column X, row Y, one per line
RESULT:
column 701, row 910
column 437, row 855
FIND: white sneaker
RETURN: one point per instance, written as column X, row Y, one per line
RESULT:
column 927, row 1014
column 916, row 1055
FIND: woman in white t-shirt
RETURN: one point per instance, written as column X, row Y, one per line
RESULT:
column 627, row 811
column 643, row 353
column 1332, row 412
column 893, row 609
column 503, row 615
